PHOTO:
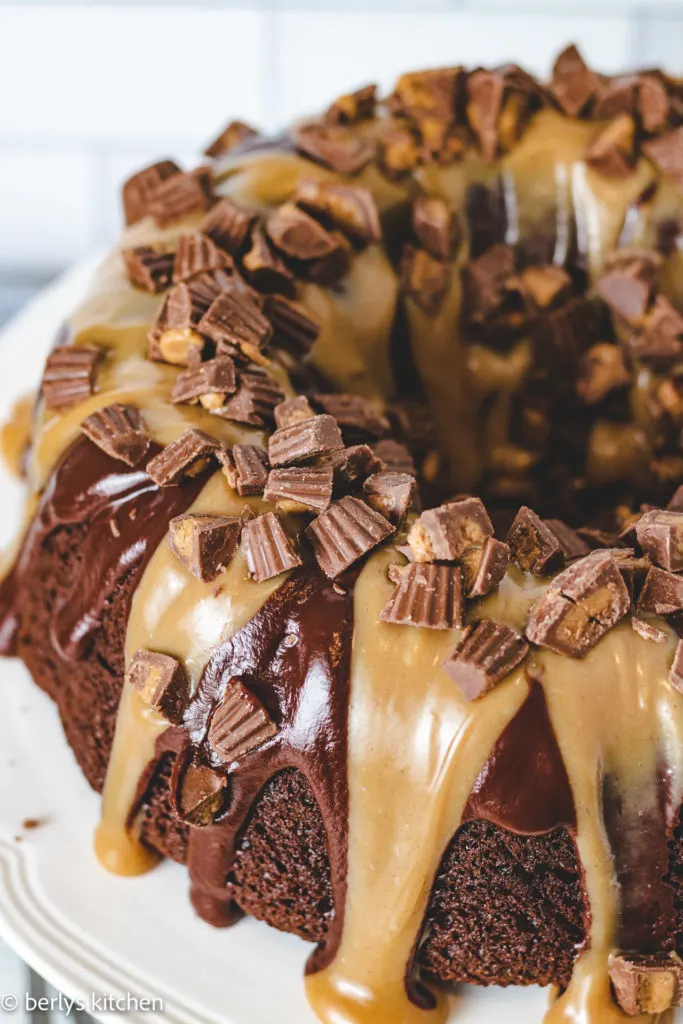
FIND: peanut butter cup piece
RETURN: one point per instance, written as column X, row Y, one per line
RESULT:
column 304, row 441
column 232, row 136
column 349, row 208
column 533, row 544
column 180, row 195
column 298, row 235
column 228, row 225
column 263, row 267
column 486, row 654
column 118, row 431
column 485, row 281
column 648, row 631
column 69, row 375
column 572, row 545
column 392, row 494
column 580, row 605
column 626, row 291
column 209, row 383
column 267, row 548
column 398, row 152
column 394, row 455
column 666, row 153
column 436, row 226
column 293, row 328
column 351, row 466
column 293, row 410
column 139, row 188
column 189, row 455
column 235, row 321
column 196, row 254
column 646, row 983
column 161, row 681
column 148, row 269
column 254, row 401
column 485, row 566
column 246, row 467
column 653, row 103
column 662, row 593
column 353, row 107
column 427, row 95
column 660, row 535
column 239, row 725
column 445, row 533
column 201, row 794
column 205, row 544
column 426, row 595
column 175, row 337
column 357, row 417
column 485, row 90
column 424, row 279
column 601, row 370
column 573, row 83
column 660, row 337
column 612, row 154
column 345, row 532
column 300, row 488
column 546, row 284
column 338, row 148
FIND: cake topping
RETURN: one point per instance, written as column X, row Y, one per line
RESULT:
column 353, row 107
column 647, row 982
column 533, row 544
column 660, row 535
column 486, row 280
column 662, row 593
column 390, row 493
column 118, row 430
column 485, row 566
column 263, row 267
column 350, row 466
column 234, row 322
column 613, row 151
column 209, row 383
column 357, row 416
column 201, row 794
column 601, row 370
column 573, row 83
column 580, row 605
column 239, row 724
column 228, row 225
column 546, row 284
column 180, row 195
column 487, row 652
column 445, row 533
column 205, row 544
column 648, row 631
column 267, row 548
column 660, row 338
column 300, row 488
column 350, row 208
column 424, row 278
column 426, row 595
column 627, row 291
column 298, row 235
column 293, row 328
column 334, row 147
column 344, row 533
column 666, row 151
column 246, row 467
column 303, row 441
column 161, row 681
column 141, row 186
column 293, row 410
column 436, row 226
column 254, row 401
column 232, row 135
column 398, row 152
column 676, row 673
column 174, row 337
column 149, row 269
column 196, row 254
column 69, row 375
column 189, row 455
column 394, row 455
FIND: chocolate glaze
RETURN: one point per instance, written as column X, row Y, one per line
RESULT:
column 126, row 516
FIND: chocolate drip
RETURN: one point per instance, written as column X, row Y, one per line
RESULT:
column 125, row 515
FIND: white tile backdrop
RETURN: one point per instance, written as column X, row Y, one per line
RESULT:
column 91, row 90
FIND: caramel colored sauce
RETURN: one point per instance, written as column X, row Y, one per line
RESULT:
column 15, row 434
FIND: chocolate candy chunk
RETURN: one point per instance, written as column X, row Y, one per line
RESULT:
column 235, row 321
column 344, row 533
column 141, row 186
column 263, row 267
column 596, row 539
column 660, row 535
column 395, row 456
column 485, row 281
column 228, row 225
column 246, row 467
column 485, row 90
column 180, row 195
column 666, row 152
column 653, row 103
column 209, row 383
column 293, row 328
column 424, row 279
column 161, row 681
column 415, row 424
column 398, row 152
column 431, row 94
column 445, row 533
column 338, row 148
column 303, row 441
column 298, row 235
column 267, row 548
column 350, row 208
column 205, row 544
column 572, row 545
column 646, row 983
column 350, row 466
column 662, row 593
column 660, row 339
column 232, row 135
column 118, row 431
column 573, row 84
column 676, row 672
column 196, row 254
column 581, row 604
column 626, row 292
column 239, row 725
column 485, row 566
column 617, row 96
column 533, row 544
column 649, row 632
column 487, row 652
column 392, row 494
column 148, row 269
column 190, row 455
column 601, row 370
column 357, row 417
column 201, row 795
column 254, row 401
column 300, row 488
column 426, row 595
column 676, row 502
column 436, row 226
column 293, row 410
column 612, row 154
column 353, row 107
column 69, row 375
column 175, row 337
column 546, row 285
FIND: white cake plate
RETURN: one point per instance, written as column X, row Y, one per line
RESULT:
column 92, row 935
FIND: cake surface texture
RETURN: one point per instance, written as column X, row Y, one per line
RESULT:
column 354, row 546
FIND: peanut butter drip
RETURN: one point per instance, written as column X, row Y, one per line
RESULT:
column 174, row 613
column 15, row 434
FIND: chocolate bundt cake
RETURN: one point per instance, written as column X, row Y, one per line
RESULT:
column 354, row 561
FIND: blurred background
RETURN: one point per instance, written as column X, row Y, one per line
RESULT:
column 92, row 90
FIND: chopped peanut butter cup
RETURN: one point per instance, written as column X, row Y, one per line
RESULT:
column 300, row 488
column 486, row 654
column 304, row 441
column 139, row 188
column 646, row 983
column 118, row 430
column 246, row 467
column 161, row 681
column 232, row 135
column 533, row 544
column 445, row 533
column 390, row 493
column 239, row 724
column 200, row 795
column 209, row 383
column 197, row 254
column 660, row 535
column 205, row 544
column 347, row 531
column 267, row 548
column 426, row 595
column 349, row 208
column 148, row 269
column 69, row 375
column 190, row 455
